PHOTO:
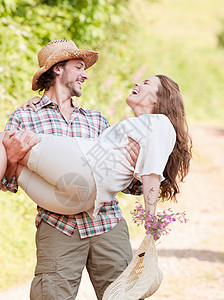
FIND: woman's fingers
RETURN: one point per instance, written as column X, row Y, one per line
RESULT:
column 34, row 101
column 31, row 103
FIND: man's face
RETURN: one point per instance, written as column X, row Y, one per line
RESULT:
column 73, row 76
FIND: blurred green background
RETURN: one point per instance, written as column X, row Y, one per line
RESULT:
column 135, row 39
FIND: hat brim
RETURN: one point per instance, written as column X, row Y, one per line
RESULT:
column 89, row 58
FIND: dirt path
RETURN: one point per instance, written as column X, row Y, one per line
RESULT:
column 192, row 256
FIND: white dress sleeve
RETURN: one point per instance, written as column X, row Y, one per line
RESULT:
column 156, row 148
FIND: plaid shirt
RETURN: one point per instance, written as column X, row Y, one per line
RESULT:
column 85, row 123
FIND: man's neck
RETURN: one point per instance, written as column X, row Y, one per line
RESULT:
column 59, row 96
column 62, row 99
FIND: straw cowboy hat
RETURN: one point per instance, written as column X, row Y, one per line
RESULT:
column 60, row 50
column 141, row 278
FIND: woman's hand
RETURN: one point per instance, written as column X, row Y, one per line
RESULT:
column 154, row 232
column 31, row 103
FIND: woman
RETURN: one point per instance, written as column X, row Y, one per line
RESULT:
column 70, row 175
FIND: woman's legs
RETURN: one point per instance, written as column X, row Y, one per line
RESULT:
column 42, row 192
column 55, row 176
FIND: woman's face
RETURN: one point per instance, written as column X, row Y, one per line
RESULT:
column 144, row 96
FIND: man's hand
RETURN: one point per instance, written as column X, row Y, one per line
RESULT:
column 17, row 144
column 133, row 151
column 31, row 103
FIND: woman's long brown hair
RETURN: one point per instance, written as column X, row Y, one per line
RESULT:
column 170, row 103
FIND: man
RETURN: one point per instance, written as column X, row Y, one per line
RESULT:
column 66, row 244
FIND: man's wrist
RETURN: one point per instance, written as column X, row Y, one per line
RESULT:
column 11, row 170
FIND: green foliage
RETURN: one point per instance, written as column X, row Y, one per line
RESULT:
column 28, row 25
column 220, row 35
column 84, row 20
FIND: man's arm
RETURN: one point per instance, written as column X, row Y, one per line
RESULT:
column 135, row 188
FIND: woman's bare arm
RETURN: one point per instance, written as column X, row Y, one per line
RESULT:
column 151, row 184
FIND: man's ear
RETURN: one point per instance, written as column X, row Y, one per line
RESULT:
column 58, row 69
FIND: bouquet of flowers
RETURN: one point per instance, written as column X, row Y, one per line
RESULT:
column 156, row 225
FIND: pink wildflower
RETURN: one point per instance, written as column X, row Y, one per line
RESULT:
column 156, row 225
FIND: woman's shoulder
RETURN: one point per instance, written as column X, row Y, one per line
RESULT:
column 157, row 118
column 159, row 123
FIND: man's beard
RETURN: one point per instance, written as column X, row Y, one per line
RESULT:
column 70, row 85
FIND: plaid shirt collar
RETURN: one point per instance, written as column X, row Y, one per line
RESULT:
column 45, row 101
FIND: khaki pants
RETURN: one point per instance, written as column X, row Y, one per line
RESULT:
column 61, row 259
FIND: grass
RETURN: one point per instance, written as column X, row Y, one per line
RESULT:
column 17, row 248
column 176, row 38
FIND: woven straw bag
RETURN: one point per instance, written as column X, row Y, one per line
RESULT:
column 141, row 278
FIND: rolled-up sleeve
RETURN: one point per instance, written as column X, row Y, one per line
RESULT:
column 10, row 185
column 134, row 188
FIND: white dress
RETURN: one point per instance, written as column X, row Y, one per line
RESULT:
column 68, row 174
